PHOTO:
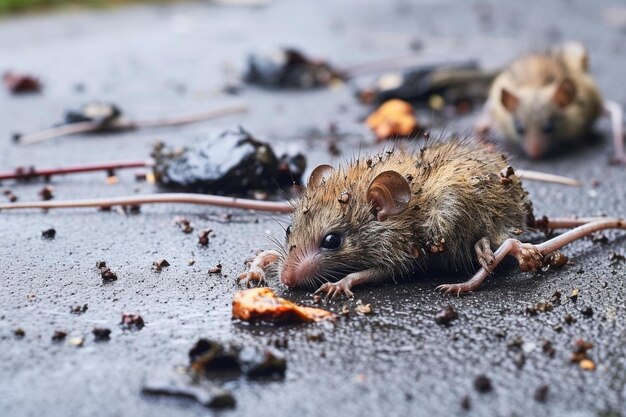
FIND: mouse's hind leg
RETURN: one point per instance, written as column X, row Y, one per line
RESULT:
column 529, row 256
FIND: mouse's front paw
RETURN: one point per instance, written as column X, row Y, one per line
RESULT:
column 333, row 289
column 255, row 277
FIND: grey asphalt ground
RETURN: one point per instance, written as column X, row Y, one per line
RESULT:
column 157, row 60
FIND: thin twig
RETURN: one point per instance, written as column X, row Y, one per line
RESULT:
column 121, row 124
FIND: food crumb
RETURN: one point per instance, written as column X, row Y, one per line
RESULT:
column 446, row 315
column 482, row 384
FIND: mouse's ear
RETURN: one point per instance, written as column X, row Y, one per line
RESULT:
column 565, row 93
column 319, row 175
column 389, row 193
column 509, row 100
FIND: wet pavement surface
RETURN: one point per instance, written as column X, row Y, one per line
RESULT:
column 397, row 361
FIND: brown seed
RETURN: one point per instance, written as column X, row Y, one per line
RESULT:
column 101, row 334
column 217, row 269
column 132, row 321
column 59, row 335
column 446, row 315
column 203, row 237
column 107, row 275
column 19, row 333
column 46, row 193
column 78, row 309
column 482, row 384
column 569, row 319
column 160, row 264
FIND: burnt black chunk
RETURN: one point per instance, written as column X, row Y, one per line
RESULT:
column 96, row 111
column 228, row 162
column 289, row 68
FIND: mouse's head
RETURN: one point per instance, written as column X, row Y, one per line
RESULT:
column 342, row 223
column 537, row 116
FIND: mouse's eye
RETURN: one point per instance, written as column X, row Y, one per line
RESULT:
column 288, row 231
column 332, row 241
column 548, row 126
column 519, row 127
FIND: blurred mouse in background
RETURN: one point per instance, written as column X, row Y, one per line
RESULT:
column 544, row 102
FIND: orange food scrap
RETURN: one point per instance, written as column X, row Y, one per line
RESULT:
column 394, row 118
column 263, row 304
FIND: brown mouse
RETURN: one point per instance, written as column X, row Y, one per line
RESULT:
column 544, row 102
column 402, row 214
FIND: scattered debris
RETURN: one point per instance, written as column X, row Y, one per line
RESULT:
column 77, row 341
column 106, row 273
column 18, row 83
column 316, row 336
column 217, row 269
column 556, row 298
column 548, row 349
column 461, row 84
column 191, row 262
column 574, row 295
column 78, row 309
column 262, row 304
column 101, row 334
column 599, row 237
column 211, row 358
column 160, row 264
column 580, row 355
column 616, row 258
column 290, row 68
column 184, row 224
column 10, row 196
column 46, row 193
column 482, row 384
column 203, row 237
column 393, row 119
column 19, row 333
column 446, row 315
column 131, row 321
column 106, row 117
column 230, row 161
column 587, row 311
column 49, row 233
column 181, row 383
column 569, row 319
column 345, row 310
column 363, row 309
column 59, row 335
column 556, row 259
column 541, row 307
column 101, row 113
column 541, row 393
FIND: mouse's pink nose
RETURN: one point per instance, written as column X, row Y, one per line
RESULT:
column 534, row 146
column 288, row 277
column 299, row 273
